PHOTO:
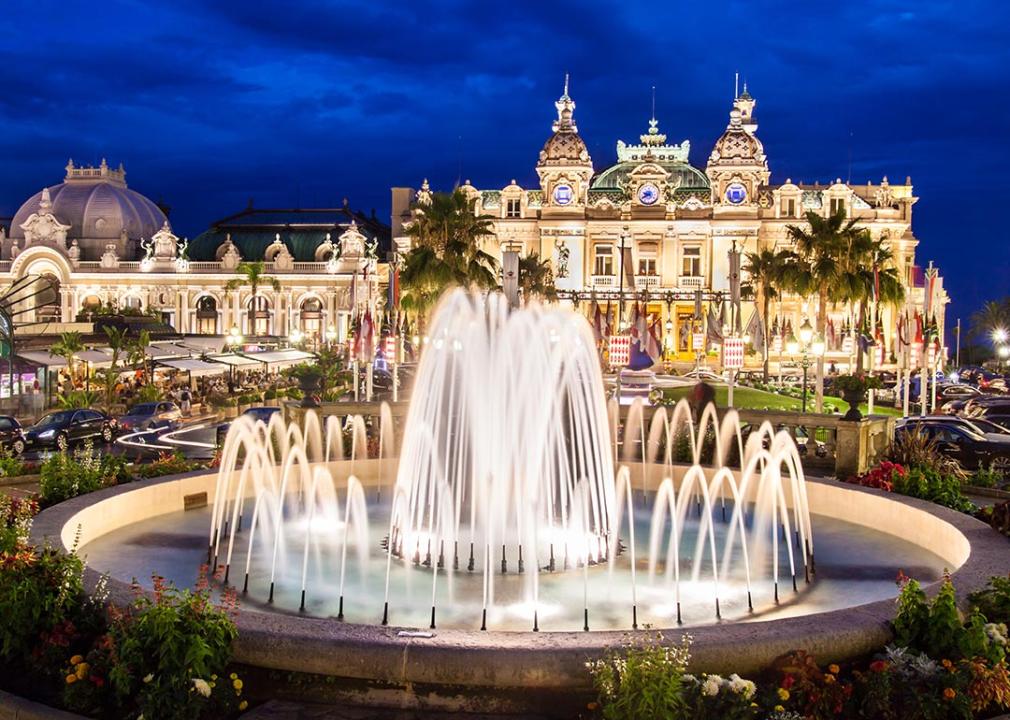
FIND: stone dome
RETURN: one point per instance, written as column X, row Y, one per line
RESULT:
column 737, row 144
column 564, row 148
column 97, row 205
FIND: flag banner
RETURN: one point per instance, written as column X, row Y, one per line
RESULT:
column 652, row 346
column 619, row 347
column 732, row 353
column 756, row 331
column 597, row 322
column 714, row 331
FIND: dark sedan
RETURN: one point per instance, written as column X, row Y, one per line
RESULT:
column 971, row 449
column 12, row 435
column 150, row 415
column 61, row 428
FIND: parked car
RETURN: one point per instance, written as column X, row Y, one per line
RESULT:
column 256, row 413
column 150, row 415
column 61, row 428
column 704, row 374
column 12, row 435
column 970, row 448
column 991, row 431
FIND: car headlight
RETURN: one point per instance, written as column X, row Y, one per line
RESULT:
column 46, row 434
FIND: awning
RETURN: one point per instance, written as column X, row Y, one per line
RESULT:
column 195, row 367
column 157, row 351
column 239, row 361
column 43, row 358
column 276, row 359
column 97, row 358
column 200, row 344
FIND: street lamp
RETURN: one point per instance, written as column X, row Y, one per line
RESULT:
column 999, row 336
column 809, row 348
column 234, row 340
column 1004, row 352
column 295, row 337
column 331, row 335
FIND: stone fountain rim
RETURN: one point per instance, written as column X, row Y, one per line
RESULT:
column 553, row 660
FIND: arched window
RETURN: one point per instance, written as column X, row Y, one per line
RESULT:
column 52, row 311
column 206, row 315
column 312, row 317
column 258, row 319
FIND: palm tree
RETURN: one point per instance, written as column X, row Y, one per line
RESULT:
column 878, row 280
column 771, row 274
column 67, row 347
column 825, row 252
column 447, row 235
column 253, row 274
column 137, row 351
column 993, row 316
column 118, row 343
column 536, row 279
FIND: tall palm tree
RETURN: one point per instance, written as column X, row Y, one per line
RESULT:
column 771, row 274
column 536, row 279
column 447, row 236
column 254, row 275
column 67, row 347
column 825, row 251
column 119, row 343
column 136, row 351
column 878, row 280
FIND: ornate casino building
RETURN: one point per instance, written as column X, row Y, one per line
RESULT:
column 655, row 227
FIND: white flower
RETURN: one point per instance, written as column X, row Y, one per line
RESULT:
column 688, row 677
column 149, row 677
column 201, row 686
column 741, row 686
column 711, row 685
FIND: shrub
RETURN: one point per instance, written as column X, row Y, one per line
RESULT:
column 15, row 522
column 65, row 475
column 10, row 464
column 986, row 477
column 642, row 682
column 39, row 590
column 916, row 449
column 928, row 483
column 881, row 477
column 270, row 394
column 172, row 652
column 166, row 464
column 993, row 600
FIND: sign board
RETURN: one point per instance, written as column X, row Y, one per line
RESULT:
column 847, row 345
column 732, row 353
column 619, row 350
column 698, row 342
column 878, row 354
column 389, row 348
column 914, row 354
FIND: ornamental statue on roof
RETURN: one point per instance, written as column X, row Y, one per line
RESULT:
column 352, row 243
column 163, row 244
column 43, row 228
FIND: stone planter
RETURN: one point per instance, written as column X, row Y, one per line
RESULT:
column 853, row 398
column 229, row 411
column 309, row 384
column 20, row 479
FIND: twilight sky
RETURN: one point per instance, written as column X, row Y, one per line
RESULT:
column 209, row 103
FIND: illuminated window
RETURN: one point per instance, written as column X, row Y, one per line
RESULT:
column 604, row 260
column 837, row 205
column 691, row 261
column 789, row 207
column 513, row 209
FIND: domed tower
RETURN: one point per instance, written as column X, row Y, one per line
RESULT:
column 737, row 167
column 565, row 167
column 97, row 209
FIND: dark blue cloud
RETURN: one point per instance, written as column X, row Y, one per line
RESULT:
column 210, row 103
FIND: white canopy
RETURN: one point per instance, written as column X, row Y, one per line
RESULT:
column 195, row 367
column 276, row 359
column 97, row 358
column 239, row 361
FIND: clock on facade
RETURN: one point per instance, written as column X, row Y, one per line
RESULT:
column 736, row 193
column 648, row 194
column 563, row 194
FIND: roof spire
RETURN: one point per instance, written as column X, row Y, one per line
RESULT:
column 565, row 94
column 736, row 86
column 653, row 102
column 566, row 111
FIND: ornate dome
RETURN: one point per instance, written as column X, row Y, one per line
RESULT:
column 682, row 175
column 737, row 145
column 96, row 204
column 564, row 148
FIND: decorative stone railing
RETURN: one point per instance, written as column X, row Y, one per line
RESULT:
column 643, row 282
column 692, row 283
column 604, row 280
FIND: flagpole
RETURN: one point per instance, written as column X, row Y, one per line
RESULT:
column 957, row 352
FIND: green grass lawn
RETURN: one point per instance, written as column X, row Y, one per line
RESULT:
column 749, row 398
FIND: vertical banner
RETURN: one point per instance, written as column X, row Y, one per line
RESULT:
column 619, row 347
column 732, row 353
column 510, row 277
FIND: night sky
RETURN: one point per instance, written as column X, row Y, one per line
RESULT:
column 299, row 102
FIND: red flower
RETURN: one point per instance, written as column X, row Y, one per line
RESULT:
column 788, row 681
column 878, row 666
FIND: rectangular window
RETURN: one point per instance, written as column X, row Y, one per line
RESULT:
column 691, row 262
column 789, row 207
column 647, row 265
column 837, row 205
column 604, row 260
column 513, row 209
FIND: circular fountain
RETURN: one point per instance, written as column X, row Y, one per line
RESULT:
column 516, row 525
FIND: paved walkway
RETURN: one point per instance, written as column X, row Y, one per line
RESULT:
column 285, row 710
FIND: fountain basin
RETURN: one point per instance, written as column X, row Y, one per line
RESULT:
column 520, row 671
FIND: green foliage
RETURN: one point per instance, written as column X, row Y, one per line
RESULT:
column 993, row 601
column 10, row 464
column 15, row 522
column 927, row 483
column 917, row 450
column 935, row 627
column 166, row 464
column 77, row 399
column 65, row 475
column 643, row 682
column 39, row 588
column 170, row 649
column 148, row 393
column 536, row 278
column 986, row 477
column 859, row 383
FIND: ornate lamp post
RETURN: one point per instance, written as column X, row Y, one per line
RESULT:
column 234, row 341
column 809, row 350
